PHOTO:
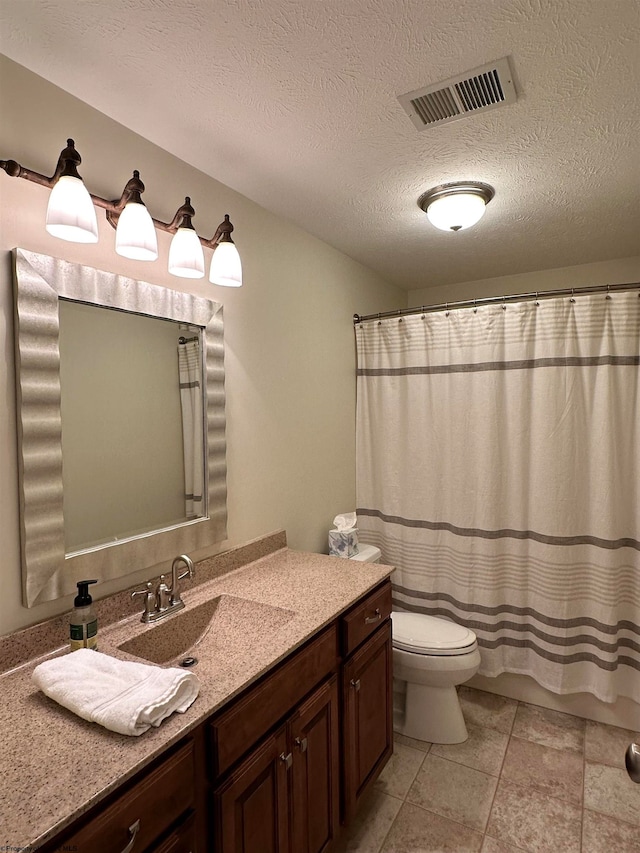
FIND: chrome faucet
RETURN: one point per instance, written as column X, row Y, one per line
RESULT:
column 164, row 600
column 175, row 600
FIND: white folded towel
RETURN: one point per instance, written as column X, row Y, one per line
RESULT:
column 124, row 696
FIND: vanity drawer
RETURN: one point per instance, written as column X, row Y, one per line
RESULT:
column 252, row 716
column 146, row 809
column 365, row 618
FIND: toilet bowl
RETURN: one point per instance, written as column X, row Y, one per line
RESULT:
column 431, row 656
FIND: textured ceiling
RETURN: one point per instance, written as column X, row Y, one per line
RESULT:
column 294, row 104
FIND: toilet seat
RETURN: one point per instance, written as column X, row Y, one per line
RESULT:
column 421, row 634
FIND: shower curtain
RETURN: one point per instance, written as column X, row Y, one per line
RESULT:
column 190, row 371
column 498, row 468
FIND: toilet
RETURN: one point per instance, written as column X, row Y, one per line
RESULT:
column 431, row 656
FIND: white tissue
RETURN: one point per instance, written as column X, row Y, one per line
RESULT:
column 343, row 539
column 346, row 521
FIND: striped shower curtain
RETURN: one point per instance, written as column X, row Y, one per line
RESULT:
column 498, row 468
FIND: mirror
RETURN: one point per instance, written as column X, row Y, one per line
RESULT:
column 126, row 419
column 120, row 420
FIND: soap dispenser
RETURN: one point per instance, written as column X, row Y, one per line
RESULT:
column 83, row 624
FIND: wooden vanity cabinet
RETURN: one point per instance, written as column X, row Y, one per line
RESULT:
column 367, row 723
column 154, row 812
column 284, row 797
column 367, row 695
column 273, row 771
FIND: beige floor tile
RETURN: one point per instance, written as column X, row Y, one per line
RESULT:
column 483, row 750
column 371, row 824
column 456, row 792
column 602, row 834
column 492, row 845
column 550, row 728
column 401, row 770
column 418, row 831
column 556, row 772
column 422, row 745
column 533, row 821
column 487, row 709
column 607, row 744
column 609, row 790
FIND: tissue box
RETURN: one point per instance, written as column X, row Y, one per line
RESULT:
column 343, row 543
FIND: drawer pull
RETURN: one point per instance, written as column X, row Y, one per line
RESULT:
column 286, row 759
column 355, row 683
column 369, row 620
column 133, row 829
column 301, row 743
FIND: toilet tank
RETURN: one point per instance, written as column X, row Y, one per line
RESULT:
column 367, row 554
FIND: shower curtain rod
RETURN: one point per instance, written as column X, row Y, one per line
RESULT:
column 502, row 300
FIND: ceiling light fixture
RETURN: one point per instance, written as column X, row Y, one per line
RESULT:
column 454, row 207
column 71, row 216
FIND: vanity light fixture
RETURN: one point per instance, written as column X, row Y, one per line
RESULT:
column 454, row 207
column 71, row 216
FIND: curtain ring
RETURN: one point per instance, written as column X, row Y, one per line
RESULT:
column 504, row 303
column 572, row 299
column 475, row 307
column 537, row 301
column 379, row 320
column 608, row 296
column 446, row 305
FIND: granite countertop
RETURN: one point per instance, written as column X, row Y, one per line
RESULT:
column 55, row 766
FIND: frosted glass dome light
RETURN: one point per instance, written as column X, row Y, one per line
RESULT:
column 136, row 234
column 186, row 258
column 226, row 267
column 70, row 213
column 454, row 207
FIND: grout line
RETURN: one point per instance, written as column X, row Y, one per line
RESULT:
column 445, row 817
column 504, row 758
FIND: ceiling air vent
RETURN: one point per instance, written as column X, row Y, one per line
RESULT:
column 475, row 91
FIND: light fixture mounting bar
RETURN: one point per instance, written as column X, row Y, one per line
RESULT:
column 69, row 158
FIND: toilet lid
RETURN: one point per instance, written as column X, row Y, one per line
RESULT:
column 422, row 634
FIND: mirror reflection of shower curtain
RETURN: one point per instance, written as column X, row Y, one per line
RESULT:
column 498, row 468
column 190, row 372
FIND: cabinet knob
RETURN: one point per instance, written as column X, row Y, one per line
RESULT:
column 301, row 743
column 355, row 683
column 287, row 759
column 133, row 831
column 377, row 616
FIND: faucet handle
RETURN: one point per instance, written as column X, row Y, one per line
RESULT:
column 149, row 600
column 163, row 594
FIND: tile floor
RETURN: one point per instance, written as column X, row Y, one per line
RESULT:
column 527, row 779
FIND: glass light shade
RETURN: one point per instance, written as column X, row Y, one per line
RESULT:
column 226, row 268
column 136, row 235
column 186, row 258
column 70, row 212
column 456, row 212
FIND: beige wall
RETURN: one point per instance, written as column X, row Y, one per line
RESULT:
column 620, row 271
column 289, row 357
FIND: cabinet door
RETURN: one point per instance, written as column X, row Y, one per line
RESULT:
column 315, row 786
column 367, row 695
column 251, row 806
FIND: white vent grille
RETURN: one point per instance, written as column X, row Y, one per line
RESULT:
column 476, row 91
